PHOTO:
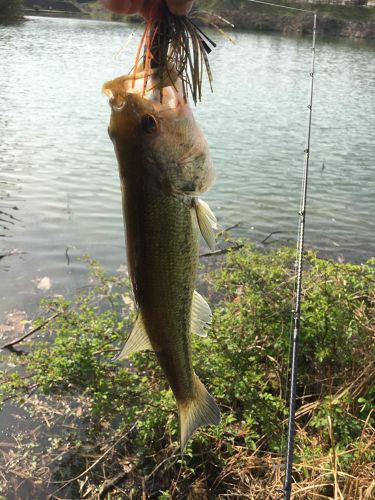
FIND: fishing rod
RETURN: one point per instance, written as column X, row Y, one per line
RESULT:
column 296, row 313
column 296, row 318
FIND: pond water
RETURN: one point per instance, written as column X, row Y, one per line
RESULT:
column 59, row 186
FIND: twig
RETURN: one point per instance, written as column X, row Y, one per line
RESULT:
column 222, row 251
column 174, row 455
column 227, row 229
column 10, row 345
column 333, row 455
column 5, row 254
column 12, row 252
column 102, row 351
column 144, row 491
column 67, row 256
column 111, row 483
column 96, row 461
column 269, row 236
column 176, row 481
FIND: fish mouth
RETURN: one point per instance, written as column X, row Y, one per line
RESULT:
column 163, row 92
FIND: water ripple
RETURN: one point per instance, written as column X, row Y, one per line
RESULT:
column 59, row 186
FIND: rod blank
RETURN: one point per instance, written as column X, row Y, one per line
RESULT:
column 297, row 308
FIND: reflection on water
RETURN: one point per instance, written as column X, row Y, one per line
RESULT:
column 59, row 188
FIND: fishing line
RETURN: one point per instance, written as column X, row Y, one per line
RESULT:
column 282, row 6
column 122, row 49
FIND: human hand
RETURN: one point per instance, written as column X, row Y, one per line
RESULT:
column 146, row 7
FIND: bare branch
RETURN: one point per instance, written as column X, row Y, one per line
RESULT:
column 222, row 251
column 10, row 345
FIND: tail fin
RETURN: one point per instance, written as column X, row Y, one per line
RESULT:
column 196, row 412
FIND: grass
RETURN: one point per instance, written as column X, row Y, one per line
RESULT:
column 95, row 428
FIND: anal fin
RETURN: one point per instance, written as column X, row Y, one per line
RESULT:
column 201, row 315
column 137, row 341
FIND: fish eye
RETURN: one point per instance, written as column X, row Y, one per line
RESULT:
column 149, row 124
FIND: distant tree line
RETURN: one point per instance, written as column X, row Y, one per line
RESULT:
column 61, row 5
column 11, row 10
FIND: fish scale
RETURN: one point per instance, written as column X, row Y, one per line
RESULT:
column 166, row 284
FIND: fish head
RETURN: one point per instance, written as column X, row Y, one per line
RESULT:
column 156, row 138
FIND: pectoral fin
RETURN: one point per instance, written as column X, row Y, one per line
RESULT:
column 196, row 412
column 138, row 341
column 201, row 315
column 207, row 223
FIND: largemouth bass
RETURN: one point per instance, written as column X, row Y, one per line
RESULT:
column 164, row 164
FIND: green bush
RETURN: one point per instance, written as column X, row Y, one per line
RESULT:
column 11, row 10
column 122, row 418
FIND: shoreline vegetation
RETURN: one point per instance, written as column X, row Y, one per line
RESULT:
column 352, row 21
column 11, row 11
column 88, row 427
column 334, row 20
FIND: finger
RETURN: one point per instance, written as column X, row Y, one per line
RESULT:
column 151, row 8
column 123, row 6
column 180, row 7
